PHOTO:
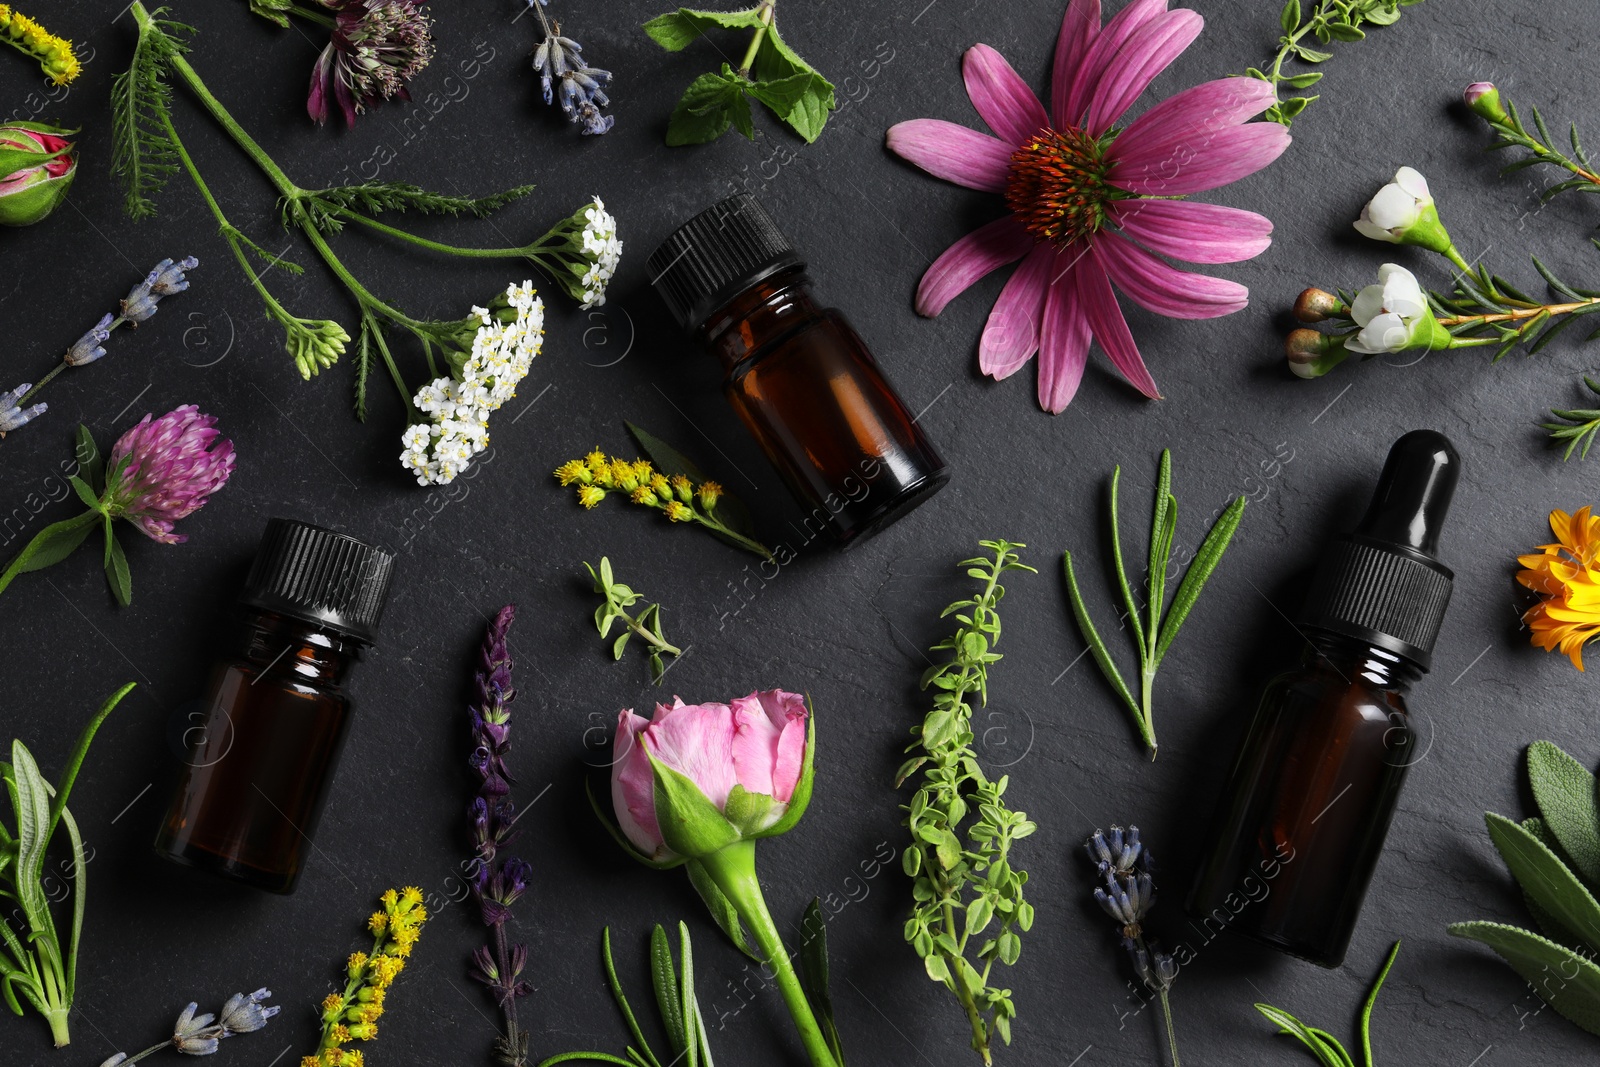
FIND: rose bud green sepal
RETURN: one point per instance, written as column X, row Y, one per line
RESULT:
column 37, row 165
column 690, row 824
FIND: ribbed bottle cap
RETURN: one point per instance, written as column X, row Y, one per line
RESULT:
column 321, row 576
column 716, row 255
column 1384, row 584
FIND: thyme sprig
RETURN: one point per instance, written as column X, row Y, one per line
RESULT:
column 1327, row 21
column 646, row 625
column 1511, row 132
column 1153, row 633
column 1579, row 425
column 964, row 882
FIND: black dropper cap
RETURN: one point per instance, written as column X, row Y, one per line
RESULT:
column 320, row 576
column 1384, row 583
column 717, row 255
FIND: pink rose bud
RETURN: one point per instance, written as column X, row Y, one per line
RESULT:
column 38, row 164
column 728, row 772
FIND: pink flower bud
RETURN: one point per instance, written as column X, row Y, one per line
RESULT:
column 1484, row 98
column 39, row 164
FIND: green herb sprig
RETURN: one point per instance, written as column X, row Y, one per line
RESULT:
column 1327, row 21
column 965, row 887
column 35, row 962
column 1323, row 1045
column 1578, row 427
column 1511, row 132
column 1153, row 633
column 1555, row 858
column 646, row 625
column 771, row 73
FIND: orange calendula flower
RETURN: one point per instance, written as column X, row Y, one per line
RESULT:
column 1566, row 576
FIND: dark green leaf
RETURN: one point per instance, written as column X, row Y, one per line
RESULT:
column 1564, row 979
column 1199, row 571
column 117, row 572
column 1546, row 879
column 801, row 100
column 1097, row 647
column 1328, row 1051
column 53, row 544
column 621, row 999
column 814, row 972
column 86, row 494
column 1128, row 603
column 1565, row 792
column 710, row 104
column 677, row 30
column 731, row 511
column 665, row 980
column 91, row 465
column 80, row 750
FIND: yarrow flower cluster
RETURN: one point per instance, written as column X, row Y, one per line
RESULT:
column 377, row 46
column 675, row 496
column 55, row 54
column 199, row 1035
column 508, row 335
column 167, row 277
column 353, row 1015
column 566, row 76
column 581, row 252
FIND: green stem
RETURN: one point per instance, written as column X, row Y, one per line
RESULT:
column 528, row 251
column 152, row 1050
column 768, row 10
column 980, row 1032
column 42, row 382
column 1172, row 1035
column 745, row 542
column 57, row 1017
column 321, row 18
column 1147, row 727
column 1455, row 257
column 646, row 636
column 734, row 871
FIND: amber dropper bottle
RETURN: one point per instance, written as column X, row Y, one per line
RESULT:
column 262, row 750
column 1302, row 821
column 797, row 374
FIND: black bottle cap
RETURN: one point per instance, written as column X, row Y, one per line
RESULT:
column 1384, row 584
column 320, row 576
column 717, row 255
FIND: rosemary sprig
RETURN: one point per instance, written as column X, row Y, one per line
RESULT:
column 963, row 876
column 1511, row 132
column 1153, row 635
column 1327, row 21
column 646, row 625
column 1323, row 1045
column 1579, row 427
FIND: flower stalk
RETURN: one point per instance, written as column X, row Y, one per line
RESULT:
column 1486, row 101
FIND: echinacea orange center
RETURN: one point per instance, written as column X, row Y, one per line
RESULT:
column 1056, row 186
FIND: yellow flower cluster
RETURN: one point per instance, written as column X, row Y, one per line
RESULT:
column 353, row 1014
column 55, row 54
column 595, row 475
column 1567, row 575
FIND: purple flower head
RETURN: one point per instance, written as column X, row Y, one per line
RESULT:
column 377, row 46
column 244, row 1014
column 86, row 349
column 13, row 417
column 168, row 277
column 164, row 470
column 483, row 968
column 196, row 1035
column 564, row 73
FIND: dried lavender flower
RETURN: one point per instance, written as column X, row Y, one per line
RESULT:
column 87, row 349
column 566, row 77
column 13, row 416
column 199, row 1035
column 1127, row 895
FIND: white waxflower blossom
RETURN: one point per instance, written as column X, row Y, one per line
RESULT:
column 458, row 407
column 1393, row 314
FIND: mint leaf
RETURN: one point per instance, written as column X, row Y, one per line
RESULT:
column 1567, row 981
column 801, row 100
column 708, row 107
column 1546, row 879
column 1565, row 792
column 677, row 30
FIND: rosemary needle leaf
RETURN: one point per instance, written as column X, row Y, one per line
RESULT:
column 1194, row 579
column 1097, row 647
column 1122, row 575
column 1160, row 532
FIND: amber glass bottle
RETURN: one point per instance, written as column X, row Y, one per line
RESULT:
column 1302, row 822
column 800, row 378
column 263, row 748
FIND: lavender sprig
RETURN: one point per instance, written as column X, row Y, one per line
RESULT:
column 499, row 964
column 198, row 1035
column 566, row 77
column 1127, row 896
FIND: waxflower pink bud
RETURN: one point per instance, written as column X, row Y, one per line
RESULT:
column 161, row 471
column 1484, row 98
column 38, row 164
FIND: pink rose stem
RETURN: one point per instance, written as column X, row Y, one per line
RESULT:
column 733, row 869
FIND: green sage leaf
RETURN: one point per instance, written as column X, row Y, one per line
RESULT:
column 1546, row 879
column 1565, row 792
column 1568, row 982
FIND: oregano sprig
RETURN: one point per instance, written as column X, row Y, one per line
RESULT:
column 965, row 887
column 646, row 625
column 1327, row 21
column 1155, row 625
column 771, row 72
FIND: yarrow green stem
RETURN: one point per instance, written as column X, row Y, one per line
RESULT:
column 962, row 875
column 1327, row 21
column 1153, row 634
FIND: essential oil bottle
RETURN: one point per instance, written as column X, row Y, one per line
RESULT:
column 1307, row 806
column 263, row 749
column 799, row 376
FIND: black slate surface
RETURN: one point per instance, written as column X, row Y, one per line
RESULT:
column 849, row 629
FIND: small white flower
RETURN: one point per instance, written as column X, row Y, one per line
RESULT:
column 1392, row 314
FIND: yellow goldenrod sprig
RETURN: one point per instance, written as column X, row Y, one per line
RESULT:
column 680, row 499
column 55, row 54
column 353, row 1014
